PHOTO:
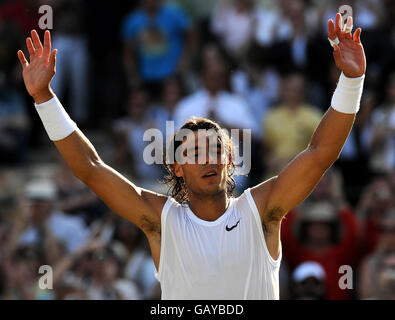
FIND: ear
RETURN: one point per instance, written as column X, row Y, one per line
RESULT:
column 178, row 170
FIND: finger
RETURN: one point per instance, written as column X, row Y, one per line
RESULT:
column 37, row 43
column 47, row 44
column 338, row 24
column 357, row 35
column 22, row 59
column 331, row 29
column 348, row 28
column 52, row 58
column 30, row 47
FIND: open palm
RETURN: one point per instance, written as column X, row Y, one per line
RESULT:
column 348, row 54
column 39, row 71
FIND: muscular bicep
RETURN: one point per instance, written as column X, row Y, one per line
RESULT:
column 140, row 206
column 276, row 196
column 295, row 182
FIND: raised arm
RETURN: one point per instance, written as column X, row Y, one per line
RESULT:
column 276, row 196
column 140, row 206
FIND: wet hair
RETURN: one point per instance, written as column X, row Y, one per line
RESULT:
column 177, row 187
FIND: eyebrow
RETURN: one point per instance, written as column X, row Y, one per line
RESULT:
column 190, row 149
column 218, row 146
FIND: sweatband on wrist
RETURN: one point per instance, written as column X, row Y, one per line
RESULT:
column 57, row 122
column 348, row 93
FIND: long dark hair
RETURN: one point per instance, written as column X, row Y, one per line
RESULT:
column 177, row 187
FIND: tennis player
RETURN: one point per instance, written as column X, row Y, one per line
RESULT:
column 206, row 244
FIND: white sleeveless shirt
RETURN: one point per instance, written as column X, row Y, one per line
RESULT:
column 222, row 259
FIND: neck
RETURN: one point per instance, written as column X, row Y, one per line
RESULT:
column 209, row 208
column 212, row 92
column 293, row 106
column 318, row 248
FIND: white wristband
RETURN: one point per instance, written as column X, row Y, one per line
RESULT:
column 56, row 121
column 347, row 96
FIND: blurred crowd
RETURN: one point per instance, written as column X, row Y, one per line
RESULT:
column 123, row 68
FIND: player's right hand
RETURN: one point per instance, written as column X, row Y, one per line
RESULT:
column 39, row 71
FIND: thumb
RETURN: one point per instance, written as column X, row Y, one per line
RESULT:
column 52, row 58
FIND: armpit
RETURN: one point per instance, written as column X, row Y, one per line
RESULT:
column 273, row 215
column 150, row 226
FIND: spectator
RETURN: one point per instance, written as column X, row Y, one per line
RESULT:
column 10, row 41
column 140, row 268
column 14, row 125
column 173, row 92
column 309, row 281
column 72, row 62
column 131, row 145
column 20, row 276
column 330, row 188
column 368, row 283
column 298, row 121
column 386, row 278
column 375, row 201
column 259, row 88
column 215, row 102
column 321, row 233
column 106, row 283
column 235, row 24
column 40, row 223
column 158, row 41
column 75, row 198
column 284, row 32
column 380, row 133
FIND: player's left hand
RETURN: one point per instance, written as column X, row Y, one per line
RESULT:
column 348, row 53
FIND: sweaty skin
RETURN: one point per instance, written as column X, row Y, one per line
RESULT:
column 207, row 196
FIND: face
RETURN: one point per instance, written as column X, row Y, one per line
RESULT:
column 214, row 77
column 172, row 92
column 382, row 199
column 151, row 4
column 109, row 269
column 40, row 210
column 319, row 233
column 310, row 289
column 387, row 232
column 137, row 105
column 205, row 165
column 211, row 55
column 293, row 89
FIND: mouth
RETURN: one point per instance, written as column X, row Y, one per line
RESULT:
column 210, row 174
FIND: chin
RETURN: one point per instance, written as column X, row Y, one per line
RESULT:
column 213, row 189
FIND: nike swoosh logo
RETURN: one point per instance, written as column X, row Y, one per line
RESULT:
column 232, row 227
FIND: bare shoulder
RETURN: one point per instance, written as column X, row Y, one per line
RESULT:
column 151, row 221
column 261, row 194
